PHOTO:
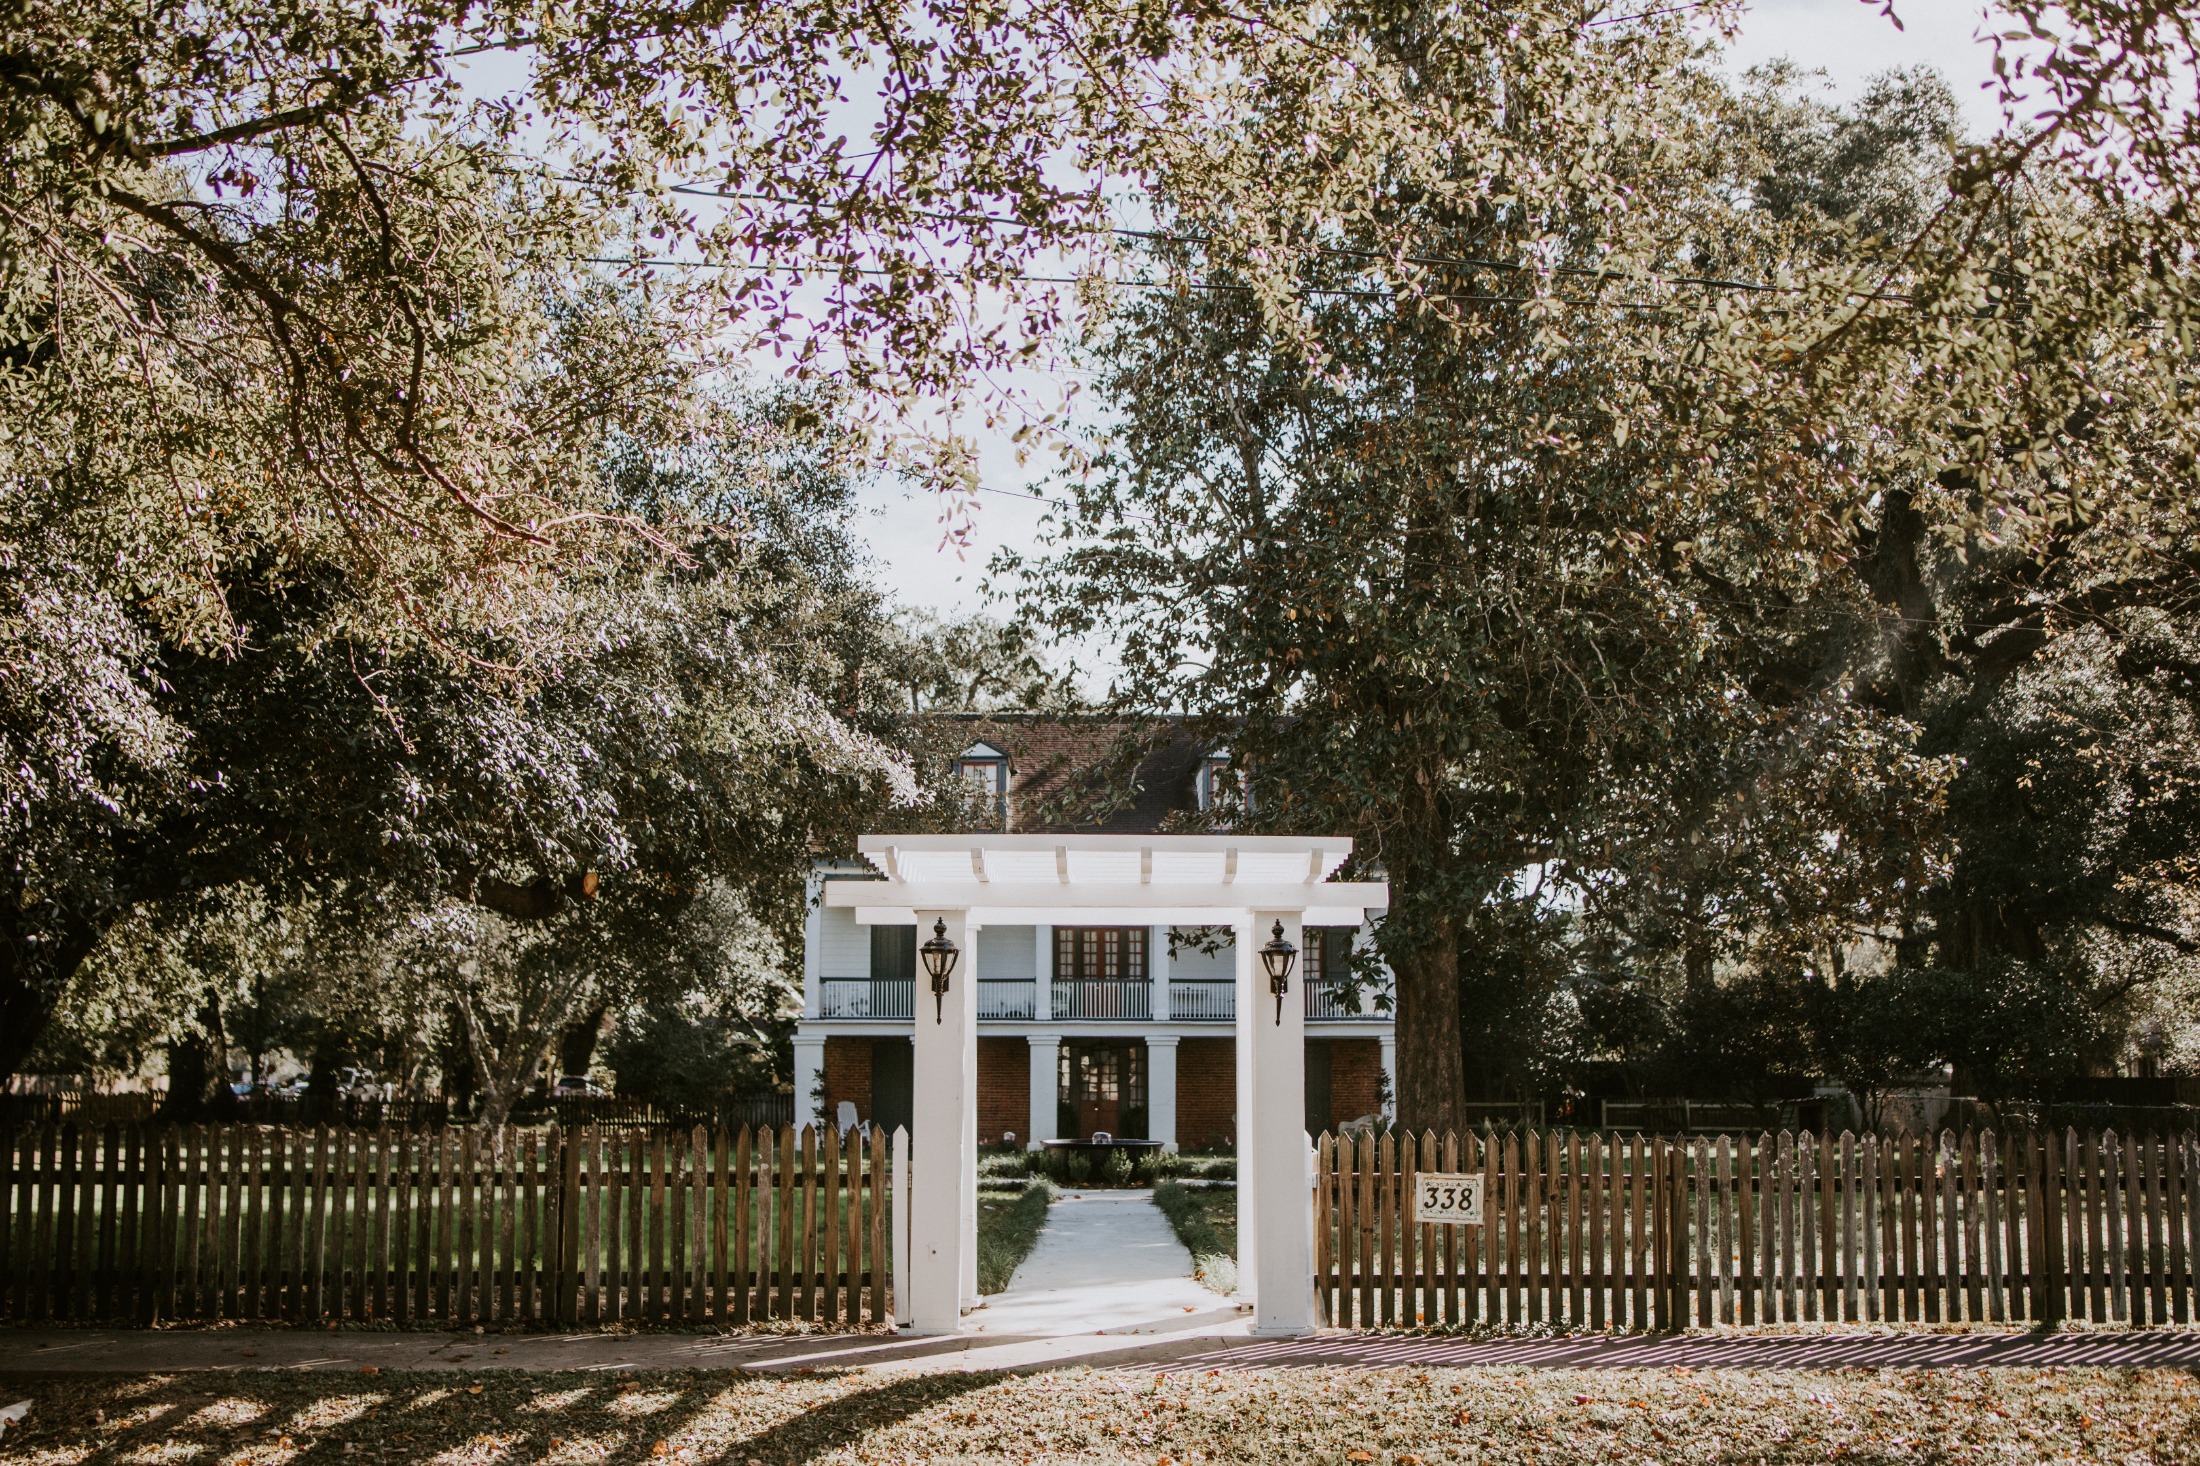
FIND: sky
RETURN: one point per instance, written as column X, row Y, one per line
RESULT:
column 1849, row 40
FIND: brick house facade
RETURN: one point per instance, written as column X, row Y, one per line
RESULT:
column 1131, row 1027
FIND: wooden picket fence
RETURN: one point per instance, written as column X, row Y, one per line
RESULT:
column 457, row 1226
column 1608, row 1231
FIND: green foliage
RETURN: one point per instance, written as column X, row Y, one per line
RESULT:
column 975, row 664
column 1205, row 1221
column 1007, row 1231
column 1066, row 1167
column 626, row 822
column 1005, row 1167
column 1625, row 487
column 1189, row 1165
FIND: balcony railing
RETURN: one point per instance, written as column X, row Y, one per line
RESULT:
column 1103, row 997
column 1330, row 999
column 1008, row 998
column 1017, row 1000
column 866, row 997
column 1203, row 1002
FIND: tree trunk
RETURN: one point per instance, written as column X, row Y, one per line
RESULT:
column 36, row 960
column 577, row 1049
column 198, row 1078
column 1432, row 1084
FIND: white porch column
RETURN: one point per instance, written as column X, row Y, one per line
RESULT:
column 813, row 944
column 1157, row 964
column 1046, row 1065
column 1042, row 966
column 966, row 1257
column 1389, row 1042
column 943, row 1137
column 1275, row 1199
column 1161, row 1090
column 809, row 1063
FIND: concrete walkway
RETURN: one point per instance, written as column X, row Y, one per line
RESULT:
column 1106, row 1263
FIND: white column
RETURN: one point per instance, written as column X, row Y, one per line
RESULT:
column 1157, row 963
column 1042, row 966
column 966, row 1256
column 1161, row 1090
column 1275, row 1200
column 1389, row 1042
column 901, row 1228
column 809, row 1063
column 1246, row 973
column 1046, row 1064
column 943, row 1138
column 813, row 942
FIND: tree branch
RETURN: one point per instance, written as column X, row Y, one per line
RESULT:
column 2149, row 930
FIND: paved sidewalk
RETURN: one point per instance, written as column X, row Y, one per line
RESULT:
column 1106, row 1262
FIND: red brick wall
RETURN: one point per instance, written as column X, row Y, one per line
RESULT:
column 1004, row 1089
column 1355, row 1078
column 1206, row 1092
column 847, row 1077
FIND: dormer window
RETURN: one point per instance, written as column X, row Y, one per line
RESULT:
column 1217, row 784
column 982, row 770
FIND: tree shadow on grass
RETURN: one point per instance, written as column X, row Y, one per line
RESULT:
column 322, row 1418
column 856, row 1417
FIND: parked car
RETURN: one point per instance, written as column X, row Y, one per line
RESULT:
column 354, row 1082
column 576, row 1086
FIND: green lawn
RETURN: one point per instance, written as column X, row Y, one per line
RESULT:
column 1008, row 1228
column 1205, row 1219
column 1405, row 1417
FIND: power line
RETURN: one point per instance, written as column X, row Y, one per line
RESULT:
column 1424, row 562
column 1335, row 292
column 1464, row 262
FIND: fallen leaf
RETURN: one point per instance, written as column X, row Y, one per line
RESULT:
column 370, row 1369
column 1360, row 1456
column 473, row 1389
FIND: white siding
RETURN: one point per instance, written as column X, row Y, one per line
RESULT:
column 1008, row 953
column 1191, row 965
column 844, row 949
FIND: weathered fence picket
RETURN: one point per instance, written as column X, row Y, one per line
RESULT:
column 1619, row 1231
column 136, row 1224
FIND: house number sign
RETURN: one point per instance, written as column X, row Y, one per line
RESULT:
column 1442, row 1198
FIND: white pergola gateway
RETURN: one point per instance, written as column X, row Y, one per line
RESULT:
column 1245, row 882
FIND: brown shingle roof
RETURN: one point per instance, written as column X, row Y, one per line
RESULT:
column 1095, row 775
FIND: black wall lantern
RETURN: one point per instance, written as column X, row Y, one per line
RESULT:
column 939, row 960
column 1277, row 957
